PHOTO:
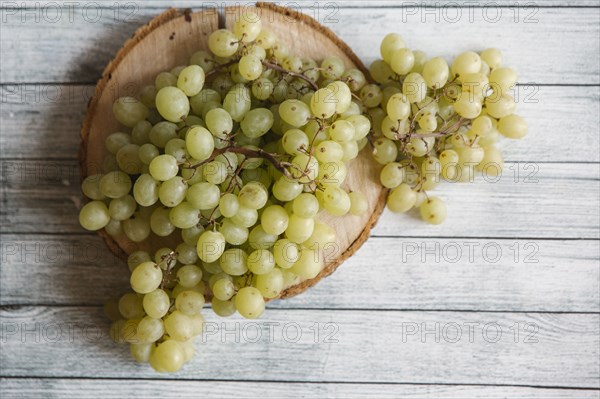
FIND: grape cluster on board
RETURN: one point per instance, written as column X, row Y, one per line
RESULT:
column 235, row 154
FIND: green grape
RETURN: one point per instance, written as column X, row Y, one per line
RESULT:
column 228, row 205
column 250, row 67
column 262, row 88
column 358, row 203
column 253, row 195
column 285, row 253
column 309, row 264
column 245, row 217
column 147, row 152
column 94, row 215
column 402, row 61
column 371, row 95
column 465, row 63
column 492, row 57
column 147, row 96
column 398, row 107
column 222, row 43
column 433, row 210
column 189, row 275
column 270, row 284
column 341, row 131
column 513, row 126
column 141, row 352
column 492, row 162
column 129, row 111
column 354, row 78
column 136, row 258
column 332, row 68
column 115, row 184
column 122, row 208
column 129, row 160
column 392, row 175
column 150, row 330
column 168, row 356
column 247, row 26
column 323, row 235
column 381, row 71
column 390, row 43
column 436, row 72
column 184, row 215
column 223, row 289
column 385, row 150
column 163, row 167
column 91, row 187
column 114, row 228
column 234, row 234
column 234, row 262
column 160, row 224
column 210, row 246
column 177, row 149
column 223, row 308
column 130, row 306
column 172, row 191
column 114, row 142
column 191, row 80
column 414, row 87
column 362, row 126
column 323, row 103
column 219, row 122
column 305, row 168
column 306, row 205
column 294, row 141
column 274, row 219
column 299, row 229
column 145, row 190
column 146, row 277
column 203, row 195
column 172, row 104
column 257, row 122
column 249, row 302
column 165, row 79
column 237, row 102
column 401, row 199
column 420, row 146
column 482, row 125
column 502, row 79
column 329, row 151
column 336, row 201
column 294, row 112
column 261, row 261
column 179, row 326
column 260, row 239
column 499, row 107
column 199, row 143
column 189, row 302
column 161, row 133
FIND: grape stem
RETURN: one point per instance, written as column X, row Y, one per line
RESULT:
column 278, row 68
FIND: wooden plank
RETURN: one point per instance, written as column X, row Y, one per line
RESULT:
column 33, row 115
column 92, row 43
column 410, row 273
column 116, row 389
column 529, row 201
column 551, row 350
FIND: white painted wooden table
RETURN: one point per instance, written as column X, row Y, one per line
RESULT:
column 501, row 301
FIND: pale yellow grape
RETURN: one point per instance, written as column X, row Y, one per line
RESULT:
column 186, row 253
column 261, row 261
column 172, row 104
column 162, row 132
column 116, row 141
column 91, row 187
column 428, row 122
column 371, row 95
column 285, row 253
column 122, row 208
column 342, row 94
column 414, row 87
column 156, row 303
column 234, row 234
column 197, row 321
column 253, row 195
column 250, row 67
column 137, row 229
column 163, row 167
column 436, row 72
column 114, row 228
column 402, row 61
column 219, row 122
column 136, row 258
column 147, row 152
column 228, row 205
column 309, row 264
column 129, row 330
column 332, row 174
column 342, row 131
column 354, row 78
column 295, row 112
column 305, row 168
column 401, row 198
column 336, row 201
column 274, row 219
column 199, row 143
column 492, row 57
column 145, row 190
column 184, row 215
column 385, row 150
column 392, row 175
column 270, row 284
column 332, row 68
column 141, row 352
column 502, row 79
column 323, row 103
column 390, row 43
column 203, row 195
column 223, row 289
column 168, row 357
column 191, row 80
column 179, row 326
column 322, row 237
column 299, row 229
column 465, row 63
column 358, row 203
column 172, row 191
column 211, row 245
column 247, row 26
column 257, row 122
column 398, row 107
column 115, row 184
column 128, row 159
column 306, row 205
column 130, row 306
column 222, row 43
column 249, row 302
column 470, row 154
column 420, row 146
column 362, row 126
column 94, row 215
column 500, row 106
column 294, row 141
column 146, row 278
column 237, row 102
column 433, row 210
column 223, row 308
column 245, row 216
column 150, row 330
column 492, row 162
column 467, row 106
column 189, row 302
column 513, row 126
column 129, row 111
column 189, row 275
column 482, row 125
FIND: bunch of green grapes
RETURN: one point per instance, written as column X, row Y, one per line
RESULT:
column 434, row 121
column 230, row 159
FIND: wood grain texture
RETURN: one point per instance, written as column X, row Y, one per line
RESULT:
column 410, row 273
column 51, row 388
column 352, row 346
column 80, row 49
column 531, row 200
column 33, row 115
